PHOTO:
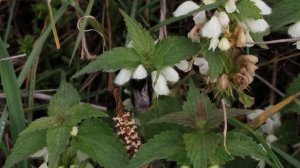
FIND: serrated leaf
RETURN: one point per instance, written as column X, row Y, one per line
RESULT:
column 142, row 41
column 193, row 98
column 65, row 97
column 200, row 147
column 238, row 145
column 172, row 50
column 167, row 145
column 81, row 112
column 98, row 141
column 25, row 146
column 213, row 58
column 39, row 124
column 115, row 59
column 247, row 9
column 283, row 13
column 57, row 139
column 181, row 118
column 293, row 88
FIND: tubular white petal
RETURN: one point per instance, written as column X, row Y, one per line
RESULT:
column 207, row 2
column 254, row 114
column 265, row 9
column 185, row 8
column 213, row 43
column 139, row 73
column 200, row 17
column 123, row 77
column 203, row 65
column 224, row 44
column 159, row 84
column 212, row 29
column 271, row 138
column 249, row 39
column 223, row 18
column 298, row 45
column 294, row 30
column 256, row 26
column 183, row 65
column 230, row 6
column 170, row 74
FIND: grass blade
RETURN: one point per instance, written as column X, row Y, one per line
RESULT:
column 286, row 156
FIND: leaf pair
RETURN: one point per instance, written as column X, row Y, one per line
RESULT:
column 166, row 52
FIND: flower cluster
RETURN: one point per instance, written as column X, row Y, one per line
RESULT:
column 127, row 130
column 216, row 29
column 246, row 71
column 294, row 31
column 159, row 78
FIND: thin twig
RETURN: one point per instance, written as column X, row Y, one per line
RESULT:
column 274, row 79
column 280, row 59
column 225, row 125
column 276, row 41
column 270, row 85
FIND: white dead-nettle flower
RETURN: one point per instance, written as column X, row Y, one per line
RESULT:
column 183, row 65
column 294, row 31
column 271, row 139
column 170, row 74
column 42, row 153
column 74, row 131
column 125, row 75
column 207, row 2
column 139, row 73
column 212, row 29
column 271, row 123
column 264, row 8
column 213, row 43
column 249, row 39
column 185, row 8
column 129, row 44
column 223, row 18
column 230, row 6
column 214, row 166
column 224, row 44
column 159, row 80
column 202, row 64
column 257, row 26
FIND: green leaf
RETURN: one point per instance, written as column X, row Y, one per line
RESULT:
column 181, row 118
column 167, row 145
column 65, row 97
column 57, row 139
column 247, row 9
column 193, row 99
column 172, row 50
column 200, row 147
column 81, row 112
column 238, row 145
column 283, row 13
column 260, row 37
column 213, row 58
column 293, row 88
column 142, row 41
column 98, row 141
column 25, row 146
column 117, row 58
column 40, row 124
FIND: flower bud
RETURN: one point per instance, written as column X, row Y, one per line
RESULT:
column 240, row 37
column 74, row 131
column 224, row 44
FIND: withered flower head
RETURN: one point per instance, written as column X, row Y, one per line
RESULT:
column 223, row 82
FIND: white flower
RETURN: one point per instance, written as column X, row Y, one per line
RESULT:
column 170, row 74
column 223, row 18
column 264, row 8
column 200, row 17
column 214, row 166
column 256, row 26
column 202, row 64
column 207, row 2
column 298, row 45
column 224, row 44
column 271, row 138
column 129, row 44
column 185, row 8
column 139, row 73
column 42, row 153
column 183, row 65
column 249, row 39
column 74, row 131
column 127, row 104
column 212, row 29
column 294, row 30
column 159, row 84
column 123, row 77
column 230, row 6
column 213, row 43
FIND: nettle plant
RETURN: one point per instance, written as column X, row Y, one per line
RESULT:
column 187, row 132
